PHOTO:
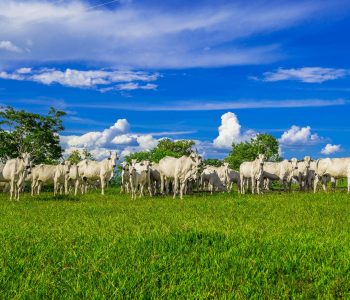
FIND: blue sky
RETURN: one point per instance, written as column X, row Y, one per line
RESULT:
column 131, row 72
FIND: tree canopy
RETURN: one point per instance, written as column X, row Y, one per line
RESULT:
column 165, row 147
column 213, row 162
column 22, row 131
column 247, row 151
column 76, row 156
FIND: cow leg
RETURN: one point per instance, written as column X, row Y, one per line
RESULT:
column 182, row 188
column 55, row 188
column 150, row 190
column 103, row 185
column 18, row 190
column 258, row 184
column 39, row 188
column 253, row 185
column 316, row 183
column 175, row 187
column 33, row 187
column 242, row 184
column 162, row 179
column 141, row 190
column 324, row 183
column 66, row 182
column 76, row 187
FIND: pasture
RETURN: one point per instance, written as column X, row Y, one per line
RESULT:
column 222, row 246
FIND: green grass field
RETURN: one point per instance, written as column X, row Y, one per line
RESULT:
column 223, row 246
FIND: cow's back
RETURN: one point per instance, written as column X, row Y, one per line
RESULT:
column 336, row 167
column 167, row 166
column 44, row 173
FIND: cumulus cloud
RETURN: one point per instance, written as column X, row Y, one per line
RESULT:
column 117, row 136
column 330, row 149
column 148, row 35
column 308, row 74
column 146, row 142
column 86, row 79
column 230, row 132
column 9, row 46
column 299, row 136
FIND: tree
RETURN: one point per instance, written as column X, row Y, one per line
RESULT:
column 248, row 151
column 87, row 155
column 77, row 156
column 165, row 147
column 22, row 131
column 213, row 162
column 74, row 157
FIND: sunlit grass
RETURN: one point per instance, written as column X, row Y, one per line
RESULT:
column 274, row 246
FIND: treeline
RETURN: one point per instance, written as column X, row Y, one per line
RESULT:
column 22, row 131
column 244, row 151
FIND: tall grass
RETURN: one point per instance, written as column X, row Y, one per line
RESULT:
column 223, row 246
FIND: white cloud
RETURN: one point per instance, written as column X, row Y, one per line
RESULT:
column 117, row 136
column 98, row 138
column 309, row 74
column 85, row 79
column 230, row 132
column 299, row 136
column 122, row 139
column 145, row 35
column 205, row 105
column 136, row 86
column 146, row 142
column 9, row 46
column 24, row 70
column 330, row 149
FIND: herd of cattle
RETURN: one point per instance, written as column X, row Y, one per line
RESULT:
column 177, row 176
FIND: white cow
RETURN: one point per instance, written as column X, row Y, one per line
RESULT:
column 233, row 177
column 302, row 173
column 215, row 182
column 15, row 172
column 125, row 177
column 328, row 168
column 221, row 171
column 72, row 179
column 180, row 170
column 283, row 171
column 252, row 170
column 49, row 174
column 101, row 171
column 155, row 177
column 140, row 177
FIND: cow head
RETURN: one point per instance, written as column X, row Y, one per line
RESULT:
column 113, row 157
column 132, row 166
column 307, row 160
column 261, row 159
column 294, row 165
column 125, row 166
column 26, row 158
column 67, row 165
column 146, row 164
column 196, row 158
